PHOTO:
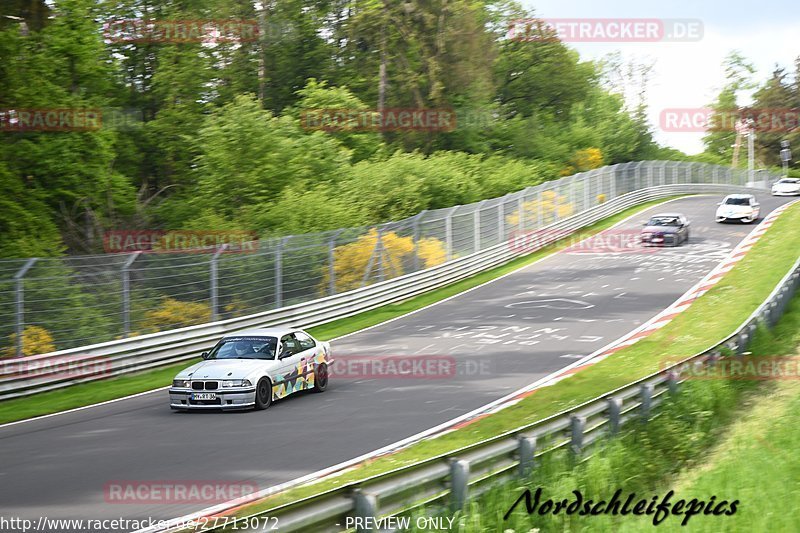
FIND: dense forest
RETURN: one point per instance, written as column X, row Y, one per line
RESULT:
column 200, row 133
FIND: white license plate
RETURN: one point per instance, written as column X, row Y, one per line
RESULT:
column 204, row 396
column 658, row 239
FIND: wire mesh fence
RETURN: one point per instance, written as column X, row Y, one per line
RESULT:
column 59, row 303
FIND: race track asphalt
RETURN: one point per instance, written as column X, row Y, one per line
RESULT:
column 503, row 336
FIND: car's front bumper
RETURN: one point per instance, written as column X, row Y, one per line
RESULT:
column 785, row 193
column 668, row 239
column 738, row 216
column 239, row 398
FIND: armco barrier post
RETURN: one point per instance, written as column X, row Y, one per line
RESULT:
column 459, row 484
column 19, row 303
column 527, row 454
column 126, row 293
column 577, row 426
column 365, row 506
column 614, row 414
column 213, row 281
column 646, row 397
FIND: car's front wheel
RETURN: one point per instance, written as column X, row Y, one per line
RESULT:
column 321, row 378
column 263, row 394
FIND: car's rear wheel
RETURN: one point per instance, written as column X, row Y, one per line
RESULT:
column 321, row 378
column 263, row 394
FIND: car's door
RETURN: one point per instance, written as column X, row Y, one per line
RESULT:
column 308, row 351
column 756, row 206
column 286, row 376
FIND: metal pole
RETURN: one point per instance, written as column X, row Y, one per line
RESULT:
column 501, row 221
column 520, row 213
column 448, row 231
column 379, row 248
column 279, row 272
column 476, row 226
column 19, row 300
column 214, row 284
column 416, row 224
column 126, row 294
column 331, row 265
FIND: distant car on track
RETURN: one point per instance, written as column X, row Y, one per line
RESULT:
column 666, row 229
column 252, row 368
column 742, row 207
column 786, row 187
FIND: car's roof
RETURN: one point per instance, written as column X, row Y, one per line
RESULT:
column 740, row 195
column 263, row 332
column 666, row 215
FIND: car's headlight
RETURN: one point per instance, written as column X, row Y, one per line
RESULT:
column 182, row 383
column 236, row 383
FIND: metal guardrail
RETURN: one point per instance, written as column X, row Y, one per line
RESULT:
column 29, row 375
column 448, row 480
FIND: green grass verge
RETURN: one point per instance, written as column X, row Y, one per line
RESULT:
column 736, row 440
column 119, row 387
column 739, row 293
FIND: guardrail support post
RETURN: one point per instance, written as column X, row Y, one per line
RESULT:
column 672, row 382
column 646, row 393
column 459, row 483
column 19, row 304
column 365, row 506
column 578, row 425
column 527, row 454
column 126, row 293
column 614, row 414
column 213, row 278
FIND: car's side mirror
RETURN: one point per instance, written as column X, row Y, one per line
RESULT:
column 720, row 203
column 204, row 355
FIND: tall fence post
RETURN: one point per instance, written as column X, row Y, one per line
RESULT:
column 126, row 293
column 279, row 273
column 501, row 221
column 476, row 226
column 448, row 231
column 214, row 281
column 331, row 263
column 521, row 212
column 416, row 230
column 459, row 484
column 19, row 303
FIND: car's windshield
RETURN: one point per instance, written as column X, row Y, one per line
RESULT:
column 793, row 181
column 664, row 221
column 245, row 348
column 737, row 201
